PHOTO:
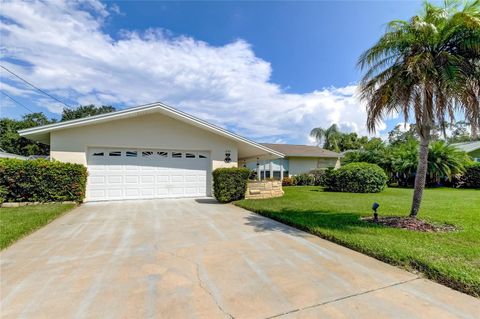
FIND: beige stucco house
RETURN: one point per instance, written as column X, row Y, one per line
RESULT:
column 298, row 159
column 149, row 151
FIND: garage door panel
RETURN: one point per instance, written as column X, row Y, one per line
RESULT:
column 147, row 179
column 163, row 178
column 136, row 173
column 97, row 180
column 115, row 179
column 132, row 192
column 115, row 192
column 132, row 179
column 190, row 178
column 147, row 191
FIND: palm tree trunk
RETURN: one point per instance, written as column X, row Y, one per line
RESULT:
column 421, row 175
column 473, row 130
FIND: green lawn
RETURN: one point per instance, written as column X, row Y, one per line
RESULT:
column 449, row 258
column 17, row 222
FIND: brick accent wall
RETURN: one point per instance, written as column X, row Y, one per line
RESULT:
column 264, row 189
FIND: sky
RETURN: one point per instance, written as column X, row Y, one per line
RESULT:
column 270, row 71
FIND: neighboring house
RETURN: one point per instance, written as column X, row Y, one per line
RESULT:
column 149, row 151
column 4, row 154
column 471, row 148
column 298, row 159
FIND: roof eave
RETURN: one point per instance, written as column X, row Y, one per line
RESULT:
column 46, row 129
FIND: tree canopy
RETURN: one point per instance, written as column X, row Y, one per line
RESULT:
column 12, row 142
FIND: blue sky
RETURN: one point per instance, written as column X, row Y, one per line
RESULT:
column 268, row 70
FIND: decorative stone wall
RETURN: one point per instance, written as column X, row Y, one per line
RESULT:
column 264, row 189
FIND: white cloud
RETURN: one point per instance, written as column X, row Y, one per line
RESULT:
column 228, row 85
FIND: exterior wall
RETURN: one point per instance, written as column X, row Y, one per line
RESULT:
column 301, row 165
column 296, row 165
column 475, row 155
column 148, row 131
column 263, row 189
column 276, row 164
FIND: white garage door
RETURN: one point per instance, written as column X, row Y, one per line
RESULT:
column 140, row 173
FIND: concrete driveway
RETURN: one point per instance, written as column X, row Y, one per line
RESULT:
column 199, row 259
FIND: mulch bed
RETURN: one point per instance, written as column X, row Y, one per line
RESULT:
column 410, row 224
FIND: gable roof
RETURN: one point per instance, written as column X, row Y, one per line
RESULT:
column 42, row 133
column 302, row 150
column 467, row 146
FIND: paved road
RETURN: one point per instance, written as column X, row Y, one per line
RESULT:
column 199, row 259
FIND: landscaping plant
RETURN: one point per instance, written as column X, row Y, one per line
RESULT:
column 428, row 67
column 230, row 184
column 42, row 181
column 357, row 178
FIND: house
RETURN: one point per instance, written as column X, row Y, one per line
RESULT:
column 149, row 151
column 298, row 159
column 471, row 148
column 4, row 154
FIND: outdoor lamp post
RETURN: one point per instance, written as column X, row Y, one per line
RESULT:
column 375, row 214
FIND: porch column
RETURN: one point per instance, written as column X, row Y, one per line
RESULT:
column 281, row 169
column 258, row 169
column 264, row 170
column 271, row 169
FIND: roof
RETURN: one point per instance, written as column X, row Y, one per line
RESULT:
column 42, row 133
column 302, row 150
column 11, row 155
column 468, row 146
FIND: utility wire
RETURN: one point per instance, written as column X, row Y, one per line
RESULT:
column 35, row 87
column 11, row 98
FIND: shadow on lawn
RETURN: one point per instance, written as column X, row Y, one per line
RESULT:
column 307, row 221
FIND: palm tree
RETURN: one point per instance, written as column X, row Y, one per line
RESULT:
column 445, row 161
column 420, row 67
column 329, row 137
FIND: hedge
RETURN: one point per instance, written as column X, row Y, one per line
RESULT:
column 304, row 180
column 357, row 178
column 471, row 177
column 230, row 184
column 41, row 181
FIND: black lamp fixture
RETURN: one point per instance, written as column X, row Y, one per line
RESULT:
column 228, row 159
column 375, row 214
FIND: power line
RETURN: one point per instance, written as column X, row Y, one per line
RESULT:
column 11, row 98
column 35, row 87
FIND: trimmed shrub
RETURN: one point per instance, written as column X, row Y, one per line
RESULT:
column 42, row 181
column 304, row 180
column 319, row 176
column 3, row 194
column 357, row 178
column 471, row 177
column 230, row 184
column 288, row 181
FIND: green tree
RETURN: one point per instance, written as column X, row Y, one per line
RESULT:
column 84, row 111
column 445, row 162
column 329, row 137
column 459, row 133
column 10, row 140
column 420, row 67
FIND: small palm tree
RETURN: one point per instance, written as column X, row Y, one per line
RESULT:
column 421, row 67
column 329, row 137
column 445, row 161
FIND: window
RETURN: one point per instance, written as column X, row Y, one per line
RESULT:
column 147, row 153
column 132, row 153
column 115, row 153
column 176, row 155
column 201, row 156
column 98, row 154
column 162, row 154
column 189, row 155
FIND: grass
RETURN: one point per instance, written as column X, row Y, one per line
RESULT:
column 17, row 222
column 452, row 259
